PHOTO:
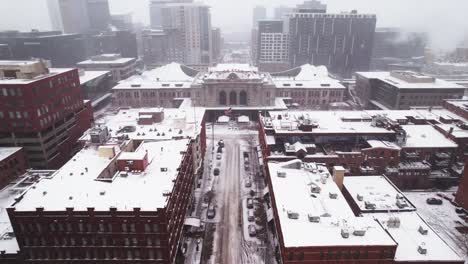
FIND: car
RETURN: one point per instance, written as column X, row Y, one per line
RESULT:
column 248, row 184
column 434, row 200
column 218, row 156
column 252, row 230
column 249, row 203
column 220, row 150
column 221, row 143
column 250, row 216
column 216, row 172
column 211, row 212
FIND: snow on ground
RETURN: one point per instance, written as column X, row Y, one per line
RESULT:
column 443, row 219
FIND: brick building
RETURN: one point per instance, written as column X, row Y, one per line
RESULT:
column 42, row 110
column 122, row 199
column 12, row 164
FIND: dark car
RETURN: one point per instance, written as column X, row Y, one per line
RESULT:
column 434, row 200
column 216, row 172
column 221, row 143
column 211, row 212
column 220, row 150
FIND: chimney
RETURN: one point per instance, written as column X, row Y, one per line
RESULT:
column 338, row 176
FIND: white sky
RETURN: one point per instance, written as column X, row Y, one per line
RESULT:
column 446, row 20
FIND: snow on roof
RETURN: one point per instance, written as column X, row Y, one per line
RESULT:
column 116, row 61
column 409, row 238
column 6, row 152
column 378, row 191
column 223, row 119
column 233, row 67
column 86, row 76
column 309, row 76
column 52, row 72
column 73, row 186
column 402, row 84
column 426, row 136
column 291, row 185
column 457, row 131
column 383, row 144
column 243, row 119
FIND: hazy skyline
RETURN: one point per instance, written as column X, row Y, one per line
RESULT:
column 445, row 21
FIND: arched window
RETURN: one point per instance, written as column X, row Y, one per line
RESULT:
column 222, row 98
column 243, row 98
column 232, row 98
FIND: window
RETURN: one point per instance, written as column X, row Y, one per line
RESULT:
column 12, row 92
column 4, row 92
column 2, row 115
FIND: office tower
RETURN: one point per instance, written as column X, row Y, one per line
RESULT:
column 62, row 50
column 99, row 14
column 123, row 42
column 343, row 42
column 42, row 110
column 155, row 8
column 259, row 13
column 216, row 43
column 272, row 46
column 69, row 16
column 122, row 21
column 193, row 22
column 281, row 11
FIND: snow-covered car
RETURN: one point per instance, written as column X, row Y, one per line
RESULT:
column 211, row 212
column 216, row 172
column 250, row 216
column 252, row 230
column 218, row 156
column 249, row 203
column 248, row 184
column 434, row 200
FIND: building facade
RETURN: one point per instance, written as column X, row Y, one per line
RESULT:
column 162, row 46
column 99, row 15
column 12, row 164
column 69, row 16
column 122, row 42
column 121, row 68
column 272, row 46
column 43, row 111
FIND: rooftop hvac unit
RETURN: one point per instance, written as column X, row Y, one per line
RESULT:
column 281, row 174
column 293, row 215
column 360, row 197
column 422, row 249
column 313, row 218
column 401, row 203
column 323, row 178
column 314, row 188
column 370, row 206
column 422, row 230
column 124, row 174
column 393, row 222
column 359, row 232
column 333, row 195
column 344, row 233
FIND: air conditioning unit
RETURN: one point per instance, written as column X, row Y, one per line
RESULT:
column 359, row 197
column 293, row 215
column 422, row 230
column 313, row 218
column 422, row 249
column 333, row 195
column 359, row 232
column 369, row 205
column 281, row 174
column 344, row 233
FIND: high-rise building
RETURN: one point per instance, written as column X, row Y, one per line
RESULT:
column 259, row 13
column 155, row 8
column 42, row 110
column 69, row 16
column 272, row 46
column 343, row 42
column 193, row 21
column 122, row 21
column 62, row 50
column 99, row 14
column 281, row 11
column 123, row 42
column 162, row 46
column 79, row 16
column 216, row 40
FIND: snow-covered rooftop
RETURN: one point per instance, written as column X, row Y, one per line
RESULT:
column 376, row 193
column 75, row 184
column 106, row 59
column 233, row 67
column 408, row 229
column 52, row 72
column 86, row 76
column 402, row 84
column 426, row 136
column 383, row 144
column 292, row 183
column 6, row 152
column 309, row 76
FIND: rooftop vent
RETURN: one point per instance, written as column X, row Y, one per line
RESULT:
column 315, row 188
column 422, row 230
column 102, row 193
column 313, row 218
column 422, row 249
column 344, row 233
column 393, row 222
column 369, row 205
column 401, row 203
column 359, row 232
column 281, row 174
column 333, row 195
column 359, row 197
column 293, row 215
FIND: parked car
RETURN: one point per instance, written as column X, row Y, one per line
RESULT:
column 249, row 203
column 220, row 150
column 216, row 172
column 248, row 184
column 250, row 216
column 218, row 156
column 434, row 200
column 221, row 143
column 252, row 230
column 211, row 212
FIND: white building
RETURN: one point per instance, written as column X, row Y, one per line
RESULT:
column 121, row 68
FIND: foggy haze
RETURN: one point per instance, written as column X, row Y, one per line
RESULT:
column 445, row 21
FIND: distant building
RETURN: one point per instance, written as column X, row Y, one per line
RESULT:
column 99, row 15
column 259, row 13
column 43, row 111
column 123, row 42
column 272, row 46
column 121, row 68
column 155, row 9
column 403, row 90
column 122, row 21
column 342, row 42
column 95, row 84
column 217, row 43
column 12, row 164
column 281, row 12
column 62, row 50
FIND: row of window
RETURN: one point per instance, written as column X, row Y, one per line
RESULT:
column 89, row 241
column 94, row 254
column 89, row 227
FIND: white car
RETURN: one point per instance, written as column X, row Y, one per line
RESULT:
column 218, row 156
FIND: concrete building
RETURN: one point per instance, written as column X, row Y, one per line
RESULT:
column 121, row 68
column 12, row 164
column 272, row 46
column 237, row 86
column 193, row 22
column 123, row 42
column 403, row 90
column 43, row 111
column 62, row 50
column 217, row 44
column 85, row 212
column 342, row 42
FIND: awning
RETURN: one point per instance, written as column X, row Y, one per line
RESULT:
column 192, row 221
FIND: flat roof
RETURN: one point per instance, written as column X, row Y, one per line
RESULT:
column 292, row 193
column 91, row 75
column 401, row 84
column 6, row 152
column 376, row 190
column 52, row 72
column 73, row 186
column 119, row 61
column 426, row 136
